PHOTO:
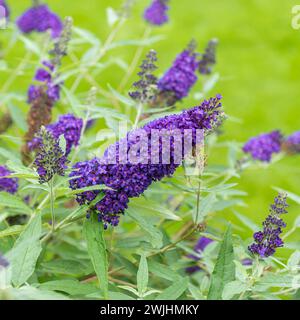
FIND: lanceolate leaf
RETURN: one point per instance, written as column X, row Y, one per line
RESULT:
column 24, row 255
column 93, row 231
column 224, row 271
column 142, row 276
column 174, row 291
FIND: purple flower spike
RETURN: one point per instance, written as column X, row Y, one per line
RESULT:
column 127, row 179
column 4, row 10
column 264, row 146
column 181, row 77
column 40, row 18
column 266, row 241
column 156, row 13
column 7, row 184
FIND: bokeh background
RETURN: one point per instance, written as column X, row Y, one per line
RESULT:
column 257, row 59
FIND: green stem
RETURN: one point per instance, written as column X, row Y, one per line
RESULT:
column 52, row 204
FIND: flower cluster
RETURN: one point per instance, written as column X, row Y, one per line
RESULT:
column 179, row 79
column 45, row 78
column 127, row 180
column 147, row 85
column 264, row 146
column 292, row 143
column 6, row 9
column 268, row 240
column 7, row 184
column 201, row 244
column 50, row 159
column 40, row 19
column 208, row 59
column 156, row 13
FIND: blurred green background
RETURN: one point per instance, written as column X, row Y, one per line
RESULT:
column 258, row 61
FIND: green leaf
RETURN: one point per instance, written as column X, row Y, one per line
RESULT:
column 12, row 201
column 246, row 221
column 72, row 287
column 62, row 143
column 11, row 231
column 294, row 260
column 142, row 276
column 206, row 205
column 174, row 291
column 232, row 288
column 32, row 293
column 277, row 281
column 224, row 271
column 163, row 271
column 93, row 232
column 24, row 255
column 152, row 206
column 67, row 266
column 154, row 234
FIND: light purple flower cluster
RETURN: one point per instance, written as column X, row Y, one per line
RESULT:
column 268, row 240
column 7, row 184
column 128, row 180
column 156, row 13
column 264, row 146
column 6, row 9
column 180, row 78
column 201, row 244
column 45, row 78
column 292, row 143
column 40, row 18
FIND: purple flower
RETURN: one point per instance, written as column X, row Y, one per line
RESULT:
column 50, row 159
column 3, row 262
column 45, row 77
column 292, row 143
column 266, row 241
column 201, row 244
column 127, row 179
column 181, row 77
column 40, row 18
column 70, row 127
column 4, row 10
column 263, row 146
column 156, row 13
column 7, row 184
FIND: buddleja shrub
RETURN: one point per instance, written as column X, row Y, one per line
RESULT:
column 82, row 219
